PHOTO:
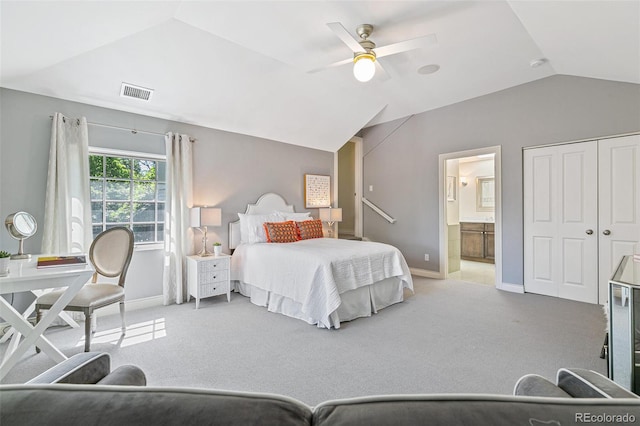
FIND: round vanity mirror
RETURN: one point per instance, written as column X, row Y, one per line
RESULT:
column 21, row 225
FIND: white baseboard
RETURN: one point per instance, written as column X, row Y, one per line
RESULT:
column 513, row 288
column 426, row 273
column 131, row 305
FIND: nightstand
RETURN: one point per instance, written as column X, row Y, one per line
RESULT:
column 208, row 276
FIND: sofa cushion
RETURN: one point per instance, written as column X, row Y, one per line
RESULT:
column 125, row 375
column 448, row 410
column 71, row 405
column 132, row 406
column 535, row 385
column 580, row 383
column 85, row 367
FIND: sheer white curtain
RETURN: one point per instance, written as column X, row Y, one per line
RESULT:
column 67, row 211
column 178, row 238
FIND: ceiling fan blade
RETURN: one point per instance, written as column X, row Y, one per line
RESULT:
column 335, row 64
column 404, row 46
column 381, row 74
column 340, row 31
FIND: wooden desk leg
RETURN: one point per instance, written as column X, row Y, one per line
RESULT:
column 33, row 335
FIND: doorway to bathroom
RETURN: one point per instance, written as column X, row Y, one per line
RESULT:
column 471, row 219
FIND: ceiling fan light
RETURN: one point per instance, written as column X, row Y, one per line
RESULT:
column 363, row 67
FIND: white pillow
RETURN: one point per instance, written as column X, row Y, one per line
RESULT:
column 251, row 229
column 296, row 217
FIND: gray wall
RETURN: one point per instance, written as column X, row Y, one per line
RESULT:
column 229, row 170
column 401, row 157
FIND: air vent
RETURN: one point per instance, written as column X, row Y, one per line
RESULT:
column 137, row 92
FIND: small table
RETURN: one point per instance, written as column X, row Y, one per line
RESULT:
column 208, row 276
column 624, row 325
column 24, row 276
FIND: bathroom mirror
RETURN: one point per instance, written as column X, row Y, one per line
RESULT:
column 485, row 194
column 21, row 225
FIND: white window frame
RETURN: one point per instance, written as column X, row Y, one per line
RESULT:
column 139, row 246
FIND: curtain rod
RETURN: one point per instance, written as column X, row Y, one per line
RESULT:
column 134, row 131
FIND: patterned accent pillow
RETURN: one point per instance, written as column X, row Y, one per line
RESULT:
column 281, row 232
column 310, row 229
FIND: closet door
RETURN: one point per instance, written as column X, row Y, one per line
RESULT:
column 619, row 204
column 560, row 221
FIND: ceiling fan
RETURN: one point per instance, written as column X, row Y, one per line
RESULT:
column 365, row 52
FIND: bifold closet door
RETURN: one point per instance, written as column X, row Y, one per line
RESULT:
column 561, row 221
column 619, row 204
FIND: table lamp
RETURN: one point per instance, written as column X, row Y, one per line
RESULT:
column 330, row 216
column 201, row 217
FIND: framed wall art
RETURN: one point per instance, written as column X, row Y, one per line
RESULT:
column 317, row 191
column 485, row 194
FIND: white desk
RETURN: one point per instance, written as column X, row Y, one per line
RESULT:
column 24, row 276
column 15, row 336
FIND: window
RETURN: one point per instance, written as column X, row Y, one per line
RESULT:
column 129, row 191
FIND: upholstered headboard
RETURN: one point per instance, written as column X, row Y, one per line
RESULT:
column 267, row 203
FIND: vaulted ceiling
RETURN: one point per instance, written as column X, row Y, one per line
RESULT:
column 243, row 66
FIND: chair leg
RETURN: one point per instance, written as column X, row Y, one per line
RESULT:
column 87, row 330
column 124, row 325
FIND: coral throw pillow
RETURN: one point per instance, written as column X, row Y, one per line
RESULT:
column 281, row 232
column 310, row 229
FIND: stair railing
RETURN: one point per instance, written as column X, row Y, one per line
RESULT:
column 378, row 210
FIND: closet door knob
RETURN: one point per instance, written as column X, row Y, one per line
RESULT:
column 606, row 232
column 589, row 231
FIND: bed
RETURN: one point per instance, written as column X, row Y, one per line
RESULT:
column 322, row 281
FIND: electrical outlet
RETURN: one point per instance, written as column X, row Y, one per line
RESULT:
column 426, row 257
column 370, row 188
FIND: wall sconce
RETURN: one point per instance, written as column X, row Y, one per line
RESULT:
column 463, row 181
column 330, row 216
column 201, row 217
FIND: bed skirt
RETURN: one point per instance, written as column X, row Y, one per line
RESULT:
column 361, row 302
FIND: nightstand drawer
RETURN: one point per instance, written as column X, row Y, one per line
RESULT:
column 213, row 265
column 213, row 289
column 212, row 276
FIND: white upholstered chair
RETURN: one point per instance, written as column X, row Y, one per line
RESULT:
column 110, row 255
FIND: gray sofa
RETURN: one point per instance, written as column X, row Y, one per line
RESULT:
column 84, row 391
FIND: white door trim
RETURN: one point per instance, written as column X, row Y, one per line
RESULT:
column 357, row 224
column 442, row 196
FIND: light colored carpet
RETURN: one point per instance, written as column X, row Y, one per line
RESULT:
column 448, row 337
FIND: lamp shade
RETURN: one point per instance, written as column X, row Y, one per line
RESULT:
column 363, row 67
column 205, row 216
column 331, row 215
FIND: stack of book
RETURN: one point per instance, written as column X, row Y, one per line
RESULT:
column 55, row 261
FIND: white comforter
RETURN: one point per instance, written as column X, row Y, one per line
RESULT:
column 315, row 272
